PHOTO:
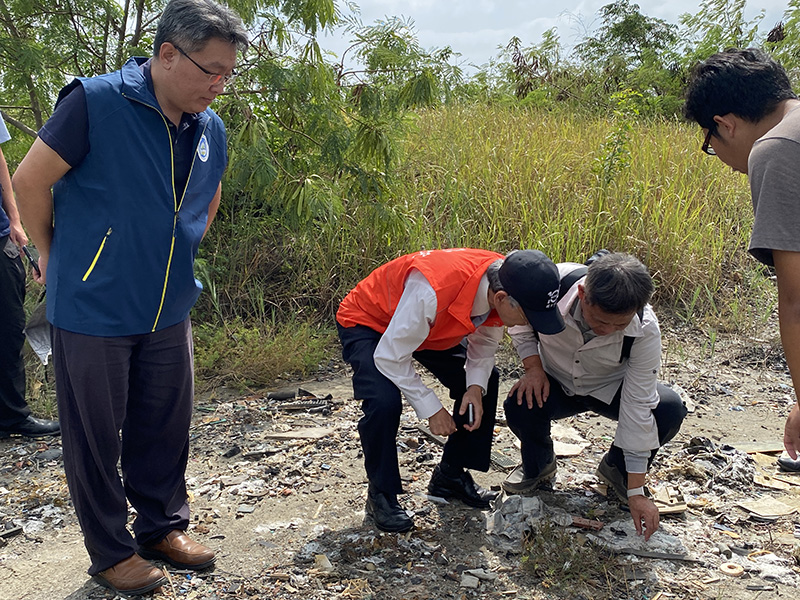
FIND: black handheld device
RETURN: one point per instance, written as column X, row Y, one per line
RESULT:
column 31, row 260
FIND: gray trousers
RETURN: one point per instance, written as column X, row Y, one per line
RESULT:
column 127, row 401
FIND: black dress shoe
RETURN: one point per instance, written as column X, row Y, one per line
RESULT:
column 460, row 486
column 32, row 427
column 386, row 511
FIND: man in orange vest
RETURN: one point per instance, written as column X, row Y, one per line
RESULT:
column 446, row 309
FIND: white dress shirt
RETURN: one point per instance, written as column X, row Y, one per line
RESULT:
column 409, row 328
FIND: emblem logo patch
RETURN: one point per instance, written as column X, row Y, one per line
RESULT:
column 202, row 149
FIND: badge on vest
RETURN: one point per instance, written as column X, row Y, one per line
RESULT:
column 202, row 148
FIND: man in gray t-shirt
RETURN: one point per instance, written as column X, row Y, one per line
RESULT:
column 774, row 184
column 745, row 104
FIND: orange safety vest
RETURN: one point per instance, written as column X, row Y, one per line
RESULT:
column 454, row 275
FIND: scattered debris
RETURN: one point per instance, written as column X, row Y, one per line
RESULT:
column 767, row 507
column 310, row 433
column 276, row 484
column 731, row 569
column 669, row 500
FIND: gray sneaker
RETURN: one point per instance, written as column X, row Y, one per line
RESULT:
column 516, row 483
column 611, row 476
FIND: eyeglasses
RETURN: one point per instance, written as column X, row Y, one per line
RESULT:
column 213, row 78
column 706, row 147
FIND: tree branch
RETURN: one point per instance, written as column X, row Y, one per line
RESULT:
column 18, row 124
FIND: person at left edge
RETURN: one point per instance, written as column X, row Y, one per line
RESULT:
column 134, row 159
column 446, row 309
column 15, row 415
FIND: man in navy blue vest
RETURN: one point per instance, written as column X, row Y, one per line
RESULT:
column 117, row 192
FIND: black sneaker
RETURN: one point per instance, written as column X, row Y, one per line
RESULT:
column 611, row 476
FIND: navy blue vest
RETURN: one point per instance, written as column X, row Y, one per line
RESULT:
column 124, row 242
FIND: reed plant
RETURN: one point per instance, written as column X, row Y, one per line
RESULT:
column 479, row 176
column 510, row 178
column 501, row 178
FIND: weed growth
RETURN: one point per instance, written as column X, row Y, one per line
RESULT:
column 568, row 564
column 255, row 356
column 495, row 177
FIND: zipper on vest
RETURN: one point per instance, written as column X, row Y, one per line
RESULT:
column 177, row 205
column 166, row 275
column 175, row 202
column 96, row 256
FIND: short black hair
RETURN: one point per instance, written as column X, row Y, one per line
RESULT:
column 190, row 24
column 618, row 284
column 747, row 83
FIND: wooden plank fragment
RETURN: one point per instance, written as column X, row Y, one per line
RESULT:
column 308, row 433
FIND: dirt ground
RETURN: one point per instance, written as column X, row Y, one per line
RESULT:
column 279, row 493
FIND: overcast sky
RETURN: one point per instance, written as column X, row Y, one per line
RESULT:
column 475, row 28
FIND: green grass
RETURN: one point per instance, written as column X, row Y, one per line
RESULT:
column 253, row 357
column 491, row 177
column 505, row 178
column 509, row 179
column 566, row 564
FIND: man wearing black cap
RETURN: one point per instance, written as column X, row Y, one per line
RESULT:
column 605, row 360
column 446, row 309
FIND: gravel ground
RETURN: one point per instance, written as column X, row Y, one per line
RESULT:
column 279, row 494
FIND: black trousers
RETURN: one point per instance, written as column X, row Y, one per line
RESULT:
column 532, row 426
column 382, row 406
column 125, row 400
column 13, row 408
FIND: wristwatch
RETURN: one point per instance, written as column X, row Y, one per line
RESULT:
column 639, row 491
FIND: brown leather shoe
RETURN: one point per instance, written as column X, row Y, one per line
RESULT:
column 180, row 551
column 132, row 576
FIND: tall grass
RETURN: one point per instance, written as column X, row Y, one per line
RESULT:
column 491, row 177
column 507, row 179
column 503, row 178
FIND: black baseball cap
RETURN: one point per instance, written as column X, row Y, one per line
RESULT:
column 532, row 279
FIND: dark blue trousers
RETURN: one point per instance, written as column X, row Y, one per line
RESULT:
column 382, row 406
column 127, row 401
column 13, row 408
column 532, row 426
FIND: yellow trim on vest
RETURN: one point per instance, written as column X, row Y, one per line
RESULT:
column 177, row 205
column 166, row 275
column 174, row 224
column 96, row 256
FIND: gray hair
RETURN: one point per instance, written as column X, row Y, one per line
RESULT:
column 190, row 24
column 618, row 283
column 493, row 275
